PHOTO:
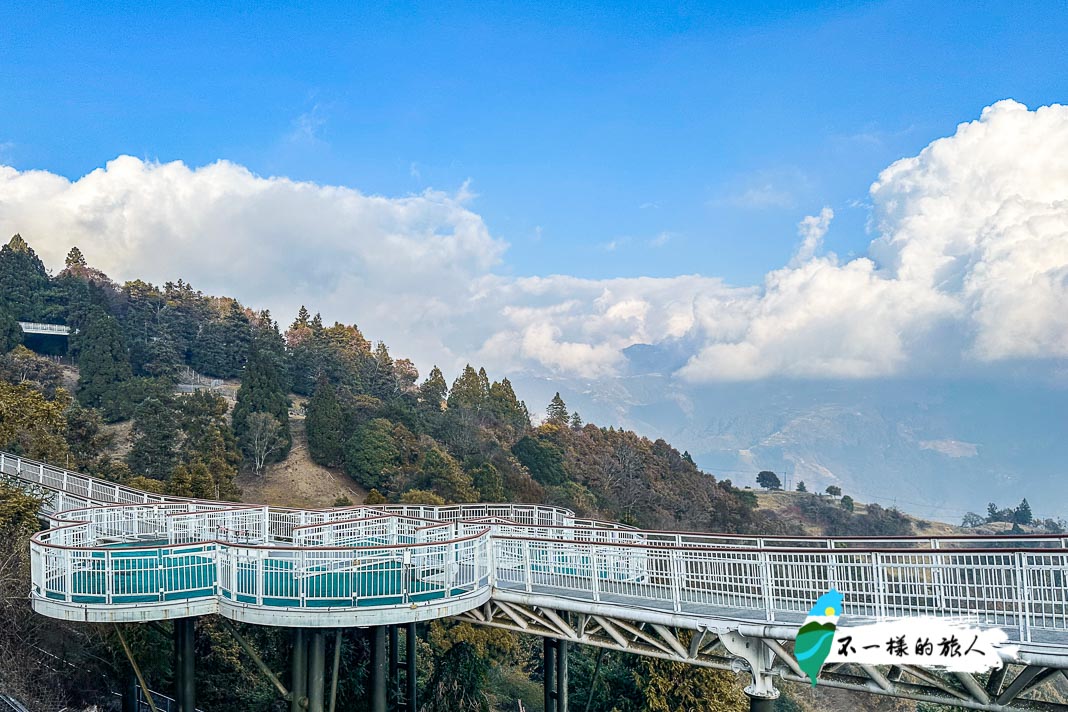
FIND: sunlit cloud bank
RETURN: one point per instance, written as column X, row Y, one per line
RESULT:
column 969, row 264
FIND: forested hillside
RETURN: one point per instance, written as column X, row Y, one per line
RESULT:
column 115, row 402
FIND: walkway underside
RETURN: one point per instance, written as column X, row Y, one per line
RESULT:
column 765, row 652
column 117, row 554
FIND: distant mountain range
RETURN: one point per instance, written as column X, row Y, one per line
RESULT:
column 935, row 448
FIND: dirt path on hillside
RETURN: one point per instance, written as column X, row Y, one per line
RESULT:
column 297, row 481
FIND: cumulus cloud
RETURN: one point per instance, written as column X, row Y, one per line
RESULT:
column 970, row 255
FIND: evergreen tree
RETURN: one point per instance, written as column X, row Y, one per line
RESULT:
column 155, row 448
column 507, row 410
column 10, row 331
column 847, row 503
column 489, row 483
column 23, row 281
column 75, row 258
column 441, row 473
column 576, row 421
column 263, row 390
column 85, row 436
column 768, row 480
column 222, row 345
column 433, row 390
column 103, row 366
column 379, row 380
column 557, row 411
column 324, row 425
column 543, row 459
column 371, row 454
column 302, row 318
column 466, row 392
column 801, row 486
column 209, row 440
column 193, row 480
column 1022, row 514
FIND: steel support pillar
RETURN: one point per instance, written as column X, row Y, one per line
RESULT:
column 561, row 676
column 378, row 668
column 129, row 693
column 549, row 673
column 410, row 677
column 185, row 665
column 761, row 704
column 394, row 668
column 298, row 685
column 316, row 670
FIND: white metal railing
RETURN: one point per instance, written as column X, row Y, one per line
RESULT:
column 394, row 555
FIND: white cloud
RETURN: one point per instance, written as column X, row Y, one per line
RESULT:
column 951, row 448
column 307, row 126
column 661, row 239
column 970, row 260
column 812, row 230
column 766, row 195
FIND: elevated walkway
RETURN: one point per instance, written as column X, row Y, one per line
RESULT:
column 31, row 327
column 116, row 554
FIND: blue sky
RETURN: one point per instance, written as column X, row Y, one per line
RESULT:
column 587, row 133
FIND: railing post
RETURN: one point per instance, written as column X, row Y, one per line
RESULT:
column 68, row 573
column 595, row 572
column 108, row 563
column 766, row 585
column 526, row 565
column 877, row 582
column 1022, row 588
column 675, row 569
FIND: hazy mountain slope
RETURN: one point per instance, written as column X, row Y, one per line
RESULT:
column 935, row 448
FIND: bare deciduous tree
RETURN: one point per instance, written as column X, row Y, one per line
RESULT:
column 265, row 437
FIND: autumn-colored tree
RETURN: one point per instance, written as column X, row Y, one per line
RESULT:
column 669, row 686
column 33, row 425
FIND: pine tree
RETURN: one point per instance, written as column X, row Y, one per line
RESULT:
column 155, row 449
column 433, row 390
column 23, row 281
column 1022, row 514
column 576, row 421
column 371, row 454
column 324, row 425
column 75, row 258
column 466, row 391
column 378, row 378
column 557, row 411
column 302, row 318
column 103, row 366
column 222, row 346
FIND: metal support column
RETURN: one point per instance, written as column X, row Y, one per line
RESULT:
column 316, row 670
column 549, row 673
column 185, row 668
column 761, row 704
column 410, row 674
column 561, row 676
column 129, row 693
column 394, row 669
column 378, row 668
column 298, row 684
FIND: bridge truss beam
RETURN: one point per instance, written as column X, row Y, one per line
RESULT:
column 770, row 658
